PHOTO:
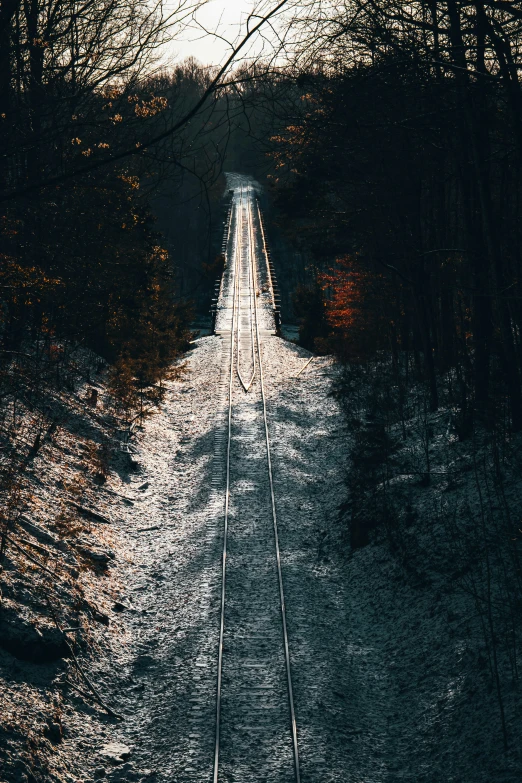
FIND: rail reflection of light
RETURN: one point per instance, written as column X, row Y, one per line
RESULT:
column 244, row 234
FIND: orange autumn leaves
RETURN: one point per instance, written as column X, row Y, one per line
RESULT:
column 360, row 308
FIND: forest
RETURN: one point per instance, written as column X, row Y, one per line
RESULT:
column 386, row 138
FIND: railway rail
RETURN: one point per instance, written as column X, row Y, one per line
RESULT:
column 255, row 720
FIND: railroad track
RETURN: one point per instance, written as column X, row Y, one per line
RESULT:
column 255, row 722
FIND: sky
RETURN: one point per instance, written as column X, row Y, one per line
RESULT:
column 225, row 17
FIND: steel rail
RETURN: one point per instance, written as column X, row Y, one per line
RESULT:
column 237, row 281
column 257, row 346
column 221, row 282
column 291, row 706
column 265, row 251
column 225, row 526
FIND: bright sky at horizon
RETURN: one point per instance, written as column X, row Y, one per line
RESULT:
column 204, row 38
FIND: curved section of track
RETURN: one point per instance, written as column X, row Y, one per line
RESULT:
column 256, row 732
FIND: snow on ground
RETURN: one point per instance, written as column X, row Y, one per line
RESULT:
column 57, row 566
column 386, row 684
column 376, row 659
column 162, row 676
column 172, row 538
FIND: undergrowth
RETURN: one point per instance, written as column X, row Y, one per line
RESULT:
column 446, row 504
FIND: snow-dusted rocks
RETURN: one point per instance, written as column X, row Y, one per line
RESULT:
column 115, row 752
